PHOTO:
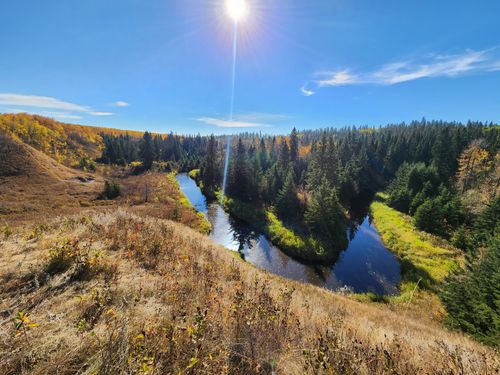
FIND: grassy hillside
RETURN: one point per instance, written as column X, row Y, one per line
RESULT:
column 65, row 143
column 35, row 186
column 119, row 293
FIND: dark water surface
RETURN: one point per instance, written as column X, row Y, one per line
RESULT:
column 365, row 266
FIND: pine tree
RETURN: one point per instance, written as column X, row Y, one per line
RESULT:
column 294, row 146
column 323, row 215
column 147, row 151
column 287, row 202
column 210, row 169
column 238, row 181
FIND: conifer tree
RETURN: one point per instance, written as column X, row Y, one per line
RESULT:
column 287, row 202
column 323, row 214
column 147, row 151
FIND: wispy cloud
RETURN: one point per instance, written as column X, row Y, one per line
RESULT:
column 231, row 124
column 101, row 113
column 30, row 103
column 120, row 103
column 340, row 78
column 40, row 102
column 306, row 92
column 409, row 70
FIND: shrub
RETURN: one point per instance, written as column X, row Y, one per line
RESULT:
column 112, row 190
column 429, row 218
column 87, row 164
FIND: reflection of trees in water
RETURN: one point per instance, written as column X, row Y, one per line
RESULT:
column 360, row 209
column 242, row 233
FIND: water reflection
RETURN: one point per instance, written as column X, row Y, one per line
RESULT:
column 365, row 266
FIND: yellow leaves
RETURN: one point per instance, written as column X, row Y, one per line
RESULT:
column 193, row 363
column 473, row 164
column 22, row 323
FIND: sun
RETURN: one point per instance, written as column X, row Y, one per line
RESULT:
column 237, row 9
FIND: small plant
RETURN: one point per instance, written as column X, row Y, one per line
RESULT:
column 111, row 190
column 5, row 231
column 37, row 231
column 22, row 323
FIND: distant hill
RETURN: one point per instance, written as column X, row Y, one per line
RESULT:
column 32, row 181
column 66, row 143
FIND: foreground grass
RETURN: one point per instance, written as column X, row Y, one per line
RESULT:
column 425, row 259
column 112, row 293
column 294, row 244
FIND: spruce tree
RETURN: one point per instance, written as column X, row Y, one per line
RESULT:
column 147, row 151
column 287, row 202
column 323, row 215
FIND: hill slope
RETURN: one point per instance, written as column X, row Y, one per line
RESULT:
column 66, row 143
column 31, row 181
column 118, row 293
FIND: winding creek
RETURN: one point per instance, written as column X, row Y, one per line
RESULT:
column 365, row 266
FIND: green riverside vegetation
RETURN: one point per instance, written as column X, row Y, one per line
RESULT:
column 425, row 259
column 297, row 245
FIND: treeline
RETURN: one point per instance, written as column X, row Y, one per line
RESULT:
column 288, row 173
column 167, row 152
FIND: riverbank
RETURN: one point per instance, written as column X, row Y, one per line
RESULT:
column 295, row 245
column 204, row 225
column 425, row 259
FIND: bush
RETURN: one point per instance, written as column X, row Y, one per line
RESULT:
column 88, row 165
column 112, row 190
column 429, row 217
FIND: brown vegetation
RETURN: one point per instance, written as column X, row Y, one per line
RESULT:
column 117, row 293
column 33, row 185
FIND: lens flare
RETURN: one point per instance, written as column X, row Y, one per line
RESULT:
column 236, row 9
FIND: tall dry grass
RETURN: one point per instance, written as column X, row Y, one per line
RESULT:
column 115, row 293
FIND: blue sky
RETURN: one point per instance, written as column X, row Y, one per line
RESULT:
column 166, row 65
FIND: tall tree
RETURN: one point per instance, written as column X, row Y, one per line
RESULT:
column 287, row 202
column 147, row 151
column 324, row 215
column 210, row 169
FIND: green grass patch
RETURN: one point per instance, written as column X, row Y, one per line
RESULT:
column 425, row 259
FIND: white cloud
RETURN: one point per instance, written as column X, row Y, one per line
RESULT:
column 28, row 103
column 120, row 103
column 410, row 70
column 440, row 66
column 340, row 78
column 231, row 124
column 40, row 102
column 306, row 92
column 100, row 113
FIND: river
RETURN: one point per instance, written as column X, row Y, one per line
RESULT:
column 366, row 265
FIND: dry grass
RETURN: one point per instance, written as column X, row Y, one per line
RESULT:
column 118, row 293
column 33, row 185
